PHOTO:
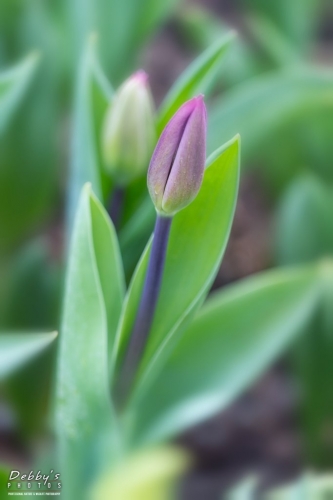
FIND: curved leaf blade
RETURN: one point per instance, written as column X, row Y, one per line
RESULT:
column 145, row 475
column 13, row 85
column 234, row 337
column 84, row 416
column 250, row 109
column 197, row 79
column 303, row 229
column 93, row 95
column 16, row 349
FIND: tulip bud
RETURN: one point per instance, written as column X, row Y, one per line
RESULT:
column 177, row 165
column 129, row 130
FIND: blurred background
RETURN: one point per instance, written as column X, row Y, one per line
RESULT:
column 275, row 87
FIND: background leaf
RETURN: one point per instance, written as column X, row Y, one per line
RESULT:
column 309, row 487
column 33, row 284
column 235, row 336
column 13, row 85
column 17, row 349
column 196, row 79
column 93, row 95
column 146, row 475
column 29, row 179
column 251, row 110
column 125, row 27
column 303, row 231
column 84, row 415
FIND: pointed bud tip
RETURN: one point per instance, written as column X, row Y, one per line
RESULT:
column 200, row 100
column 140, row 77
column 196, row 102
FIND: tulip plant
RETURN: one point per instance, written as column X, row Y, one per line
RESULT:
column 138, row 364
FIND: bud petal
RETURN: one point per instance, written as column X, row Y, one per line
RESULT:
column 129, row 130
column 177, row 166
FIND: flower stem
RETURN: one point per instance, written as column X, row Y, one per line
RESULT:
column 116, row 205
column 147, row 306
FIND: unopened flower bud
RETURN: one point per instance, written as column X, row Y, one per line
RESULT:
column 177, row 165
column 129, row 130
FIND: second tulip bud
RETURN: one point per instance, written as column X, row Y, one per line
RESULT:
column 129, row 130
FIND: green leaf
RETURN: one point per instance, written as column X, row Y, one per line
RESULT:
column 122, row 27
column 30, row 155
column 312, row 366
column 16, row 349
column 303, row 230
column 237, row 334
column 93, row 95
column 32, row 288
column 280, row 50
column 4, row 475
column 257, row 108
column 93, row 296
column 13, row 85
column 146, row 475
column 297, row 19
column 32, row 285
column 109, row 265
column 198, row 238
column 308, row 487
column 196, row 79
column 135, row 233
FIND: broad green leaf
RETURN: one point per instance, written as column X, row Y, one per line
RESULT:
column 304, row 229
column 109, row 265
column 4, row 475
column 309, row 487
column 29, row 145
column 33, row 285
column 93, row 296
column 257, row 108
column 93, row 95
column 123, row 27
column 201, row 27
column 198, row 238
column 146, row 475
column 279, row 49
column 196, row 79
column 236, row 335
column 312, row 366
column 13, row 85
column 16, row 349
column 298, row 20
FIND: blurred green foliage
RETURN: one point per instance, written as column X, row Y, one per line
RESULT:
column 270, row 90
column 308, row 487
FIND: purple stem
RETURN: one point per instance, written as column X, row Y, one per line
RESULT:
column 116, row 205
column 147, row 306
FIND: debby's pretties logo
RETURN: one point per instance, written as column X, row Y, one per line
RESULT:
column 38, row 483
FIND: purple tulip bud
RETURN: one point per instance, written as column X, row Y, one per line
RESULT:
column 177, row 165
